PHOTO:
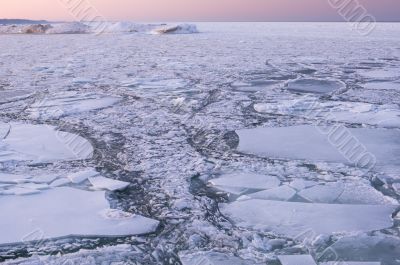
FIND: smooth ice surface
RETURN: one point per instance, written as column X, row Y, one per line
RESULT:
column 282, row 193
column 68, row 103
column 292, row 218
column 381, row 74
column 317, row 86
column 103, row 183
column 66, row 211
column 296, row 260
column 239, row 183
column 306, row 142
column 211, row 258
column 83, row 175
column 12, row 178
column 42, row 143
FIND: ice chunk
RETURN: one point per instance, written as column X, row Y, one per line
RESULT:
column 83, row 175
column 211, row 258
column 34, row 186
column 63, row 212
column 20, row 191
column 282, row 193
column 68, row 28
column 155, row 84
column 296, row 260
column 382, row 248
column 12, row 178
column 60, row 182
column 69, row 103
column 43, row 178
column 317, row 86
column 339, row 145
column 42, row 143
column 176, row 29
column 300, row 184
column 107, row 184
column 350, row 263
column 328, row 193
column 293, row 218
column 242, row 182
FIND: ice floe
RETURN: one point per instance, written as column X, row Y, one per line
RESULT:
column 296, row 260
column 68, row 103
column 294, row 218
column 282, row 193
column 352, row 112
column 157, row 84
column 316, row 86
column 211, row 258
column 240, row 183
column 361, row 147
column 63, row 212
column 103, row 183
column 80, row 176
column 41, row 143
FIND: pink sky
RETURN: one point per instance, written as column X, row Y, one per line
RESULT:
column 194, row 10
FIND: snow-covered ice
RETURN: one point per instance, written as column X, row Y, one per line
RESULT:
column 62, row 104
column 65, row 211
column 83, row 175
column 316, row 86
column 296, row 260
column 294, row 218
column 355, row 146
column 41, row 143
column 103, row 183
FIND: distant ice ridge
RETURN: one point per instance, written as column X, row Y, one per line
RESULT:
column 99, row 28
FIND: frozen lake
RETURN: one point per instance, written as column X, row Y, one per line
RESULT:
column 213, row 147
